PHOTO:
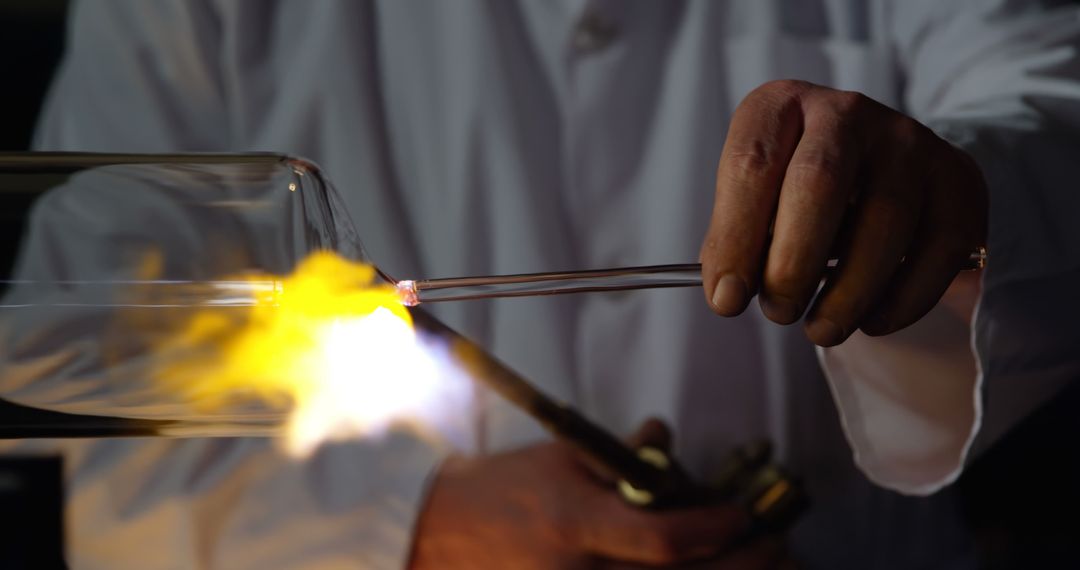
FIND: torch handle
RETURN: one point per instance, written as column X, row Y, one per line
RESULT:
column 648, row 477
column 558, row 418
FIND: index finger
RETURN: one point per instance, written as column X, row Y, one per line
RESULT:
column 760, row 141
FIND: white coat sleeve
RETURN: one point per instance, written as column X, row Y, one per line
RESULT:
column 144, row 77
column 1000, row 80
column 138, row 77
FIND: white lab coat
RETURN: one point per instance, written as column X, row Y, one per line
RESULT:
column 503, row 137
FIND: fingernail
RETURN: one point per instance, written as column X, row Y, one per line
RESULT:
column 780, row 309
column 729, row 297
column 824, row 332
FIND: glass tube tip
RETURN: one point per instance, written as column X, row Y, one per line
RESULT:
column 406, row 289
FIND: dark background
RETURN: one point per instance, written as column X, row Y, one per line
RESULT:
column 1022, row 497
column 31, row 42
column 31, row 495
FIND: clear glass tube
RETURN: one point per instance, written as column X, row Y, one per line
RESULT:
column 557, row 283
column 533, row 284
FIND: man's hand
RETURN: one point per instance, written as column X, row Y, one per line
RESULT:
column 542, row 507
column 808, row 173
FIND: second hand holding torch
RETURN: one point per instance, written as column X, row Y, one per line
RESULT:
column 648, row 477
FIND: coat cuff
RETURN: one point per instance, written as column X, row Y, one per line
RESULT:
column 909, row 402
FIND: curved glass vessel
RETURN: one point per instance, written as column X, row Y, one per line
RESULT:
column 102, row 255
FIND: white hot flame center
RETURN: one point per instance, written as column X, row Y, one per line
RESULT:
column 376, row 373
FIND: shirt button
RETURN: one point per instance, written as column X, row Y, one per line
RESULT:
column 593, row 32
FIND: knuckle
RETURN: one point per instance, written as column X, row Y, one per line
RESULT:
column 914, row 145
column 783, row 87
column 908, row 132
column 774, row 98
column 849, row 103
column 821, row 161
column 747, row 163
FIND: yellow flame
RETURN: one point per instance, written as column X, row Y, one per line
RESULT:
column 327, row 343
